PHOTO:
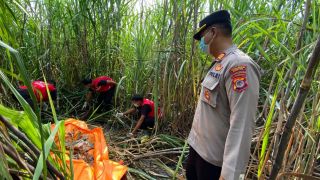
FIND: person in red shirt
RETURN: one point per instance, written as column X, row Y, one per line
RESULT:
column 146, row 112
column 104, row 87
column 40, row 91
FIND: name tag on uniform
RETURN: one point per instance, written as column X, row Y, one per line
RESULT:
column 215, row 71
column 214, row 74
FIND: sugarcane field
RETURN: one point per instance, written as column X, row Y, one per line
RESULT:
column 159, row 89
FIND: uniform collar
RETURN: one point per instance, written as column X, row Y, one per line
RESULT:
column 226, row 52
column 230, row 49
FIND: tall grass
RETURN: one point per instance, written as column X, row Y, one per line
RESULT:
column 149, row 49
column 27, row 119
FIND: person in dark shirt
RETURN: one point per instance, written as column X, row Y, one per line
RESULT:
column 146, row 113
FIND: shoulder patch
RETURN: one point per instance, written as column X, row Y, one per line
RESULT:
column 240, row 68
column 239, row 78
column 239, row 83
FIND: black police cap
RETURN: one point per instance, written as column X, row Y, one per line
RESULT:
column 221, row 16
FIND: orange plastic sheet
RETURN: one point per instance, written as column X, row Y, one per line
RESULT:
column 102, row 168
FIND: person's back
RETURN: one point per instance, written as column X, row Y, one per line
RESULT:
column 40, row 91
column 97, row 82
column 104, row 88
column 147, row 107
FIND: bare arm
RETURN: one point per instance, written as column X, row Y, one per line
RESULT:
column 130, row 111
column 138, row 124
column 89, row 96
column 112, row 82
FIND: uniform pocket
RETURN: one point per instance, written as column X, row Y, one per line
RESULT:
column 209, row 91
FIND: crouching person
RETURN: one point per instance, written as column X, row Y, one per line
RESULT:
column 104, row 87
column 40, row 91
column 146, row 113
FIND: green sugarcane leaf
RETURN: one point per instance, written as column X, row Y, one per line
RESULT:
column 48, row 145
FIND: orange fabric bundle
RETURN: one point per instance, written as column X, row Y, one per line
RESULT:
column 101, row 167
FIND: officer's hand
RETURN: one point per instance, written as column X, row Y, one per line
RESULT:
column 85, row 106
column 221, row 178
column 119, row 115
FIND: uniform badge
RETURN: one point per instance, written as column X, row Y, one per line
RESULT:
column 218, row 67
column 207, row 94
column 239, row 84
column 239, row 78
column 238, row 69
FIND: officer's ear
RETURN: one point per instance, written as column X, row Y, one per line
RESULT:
column 214, row 31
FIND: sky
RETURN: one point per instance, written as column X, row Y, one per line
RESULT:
column 150, row 3
column 146, row 4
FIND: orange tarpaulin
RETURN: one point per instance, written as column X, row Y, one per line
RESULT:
column 101, row 167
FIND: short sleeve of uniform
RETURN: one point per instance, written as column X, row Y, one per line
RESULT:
column 145, row 109
column 242, row 87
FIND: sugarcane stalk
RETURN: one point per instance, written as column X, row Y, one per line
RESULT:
column 302, row 176
column 298, row 47
column 19, row 173
column 24, row 147
column 19, row 134
column 17, row 159
column 31, row 146
column 31, row 154
column 8, row 147
column 303, row 92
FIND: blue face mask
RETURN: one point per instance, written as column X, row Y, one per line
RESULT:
column 203, row 46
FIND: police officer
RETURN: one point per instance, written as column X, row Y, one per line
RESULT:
column 223, row 123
